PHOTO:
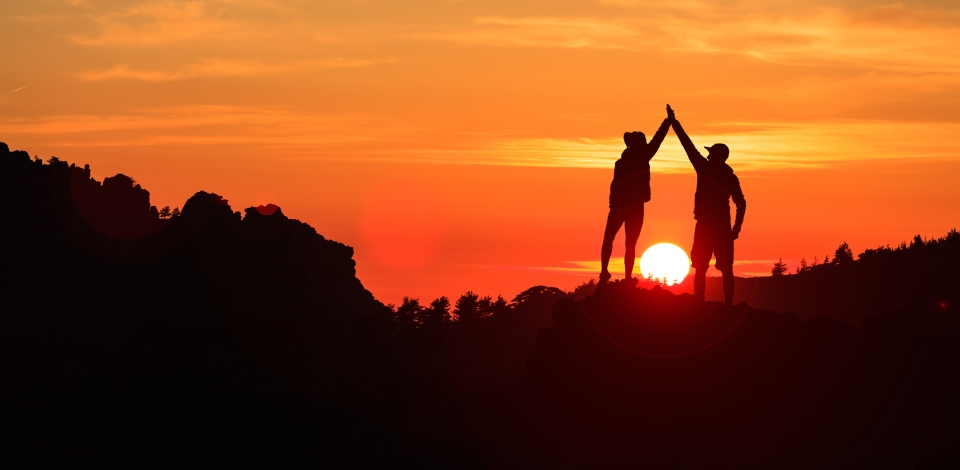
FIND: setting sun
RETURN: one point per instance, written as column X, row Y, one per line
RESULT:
column 665, row 261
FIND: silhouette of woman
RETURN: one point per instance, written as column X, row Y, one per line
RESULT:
column 629, row 190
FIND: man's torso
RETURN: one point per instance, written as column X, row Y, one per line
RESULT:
column 715, row 184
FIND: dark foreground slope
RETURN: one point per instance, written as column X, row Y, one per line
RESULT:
column 633, row 378
column 239, row 338
column 921, row 278
column 230, row 338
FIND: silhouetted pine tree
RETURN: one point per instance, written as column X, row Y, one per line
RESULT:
column 467, row 307
column 485, row 306
column 538, row 293
column 409, row 312
column 779, row 268
column 500, row 305
column 438, row 312
column 844, row 255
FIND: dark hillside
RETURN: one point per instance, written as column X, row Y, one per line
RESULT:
column 631, row 377
column 921, row 278
column 131, row 334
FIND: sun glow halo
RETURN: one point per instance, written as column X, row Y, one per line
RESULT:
column 666, row 262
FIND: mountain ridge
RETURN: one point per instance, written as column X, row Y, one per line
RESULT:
column 248, row 337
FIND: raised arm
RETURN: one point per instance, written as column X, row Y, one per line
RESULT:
column 657, row 138
column 692, row 153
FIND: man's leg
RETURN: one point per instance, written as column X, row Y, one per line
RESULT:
column 614, row 221
column 700, row 256
column 728, row 284
column 725, row 264
column 632, row 227
column 699, row 282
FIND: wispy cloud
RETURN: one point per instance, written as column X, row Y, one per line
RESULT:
column 164, row 22
column 195, row 22
column 754, row 146
column 16, row 90
column 205, row 125
column 908, row 39
column 547, row 31
column 884, row 38
column 915, row 38
column 212, row 68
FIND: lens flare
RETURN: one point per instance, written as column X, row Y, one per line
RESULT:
column 665, row 262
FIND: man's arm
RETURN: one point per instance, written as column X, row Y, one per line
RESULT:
column 692, row 153
column 741, row 203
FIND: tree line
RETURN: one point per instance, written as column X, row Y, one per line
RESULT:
column 843, row 255
column 471, row 307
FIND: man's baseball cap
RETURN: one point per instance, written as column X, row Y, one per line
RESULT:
column 718, row 148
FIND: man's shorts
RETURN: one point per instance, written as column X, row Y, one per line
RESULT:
column 709, row 239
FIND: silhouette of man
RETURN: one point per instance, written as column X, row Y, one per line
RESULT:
column 716, row 184
column 629, row 190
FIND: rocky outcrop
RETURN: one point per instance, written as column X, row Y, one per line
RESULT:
column 242, row 336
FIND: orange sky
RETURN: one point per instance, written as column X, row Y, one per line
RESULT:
column 469, row 144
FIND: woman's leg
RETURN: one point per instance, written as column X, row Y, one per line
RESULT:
column 614, row 221
column 633, row 225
